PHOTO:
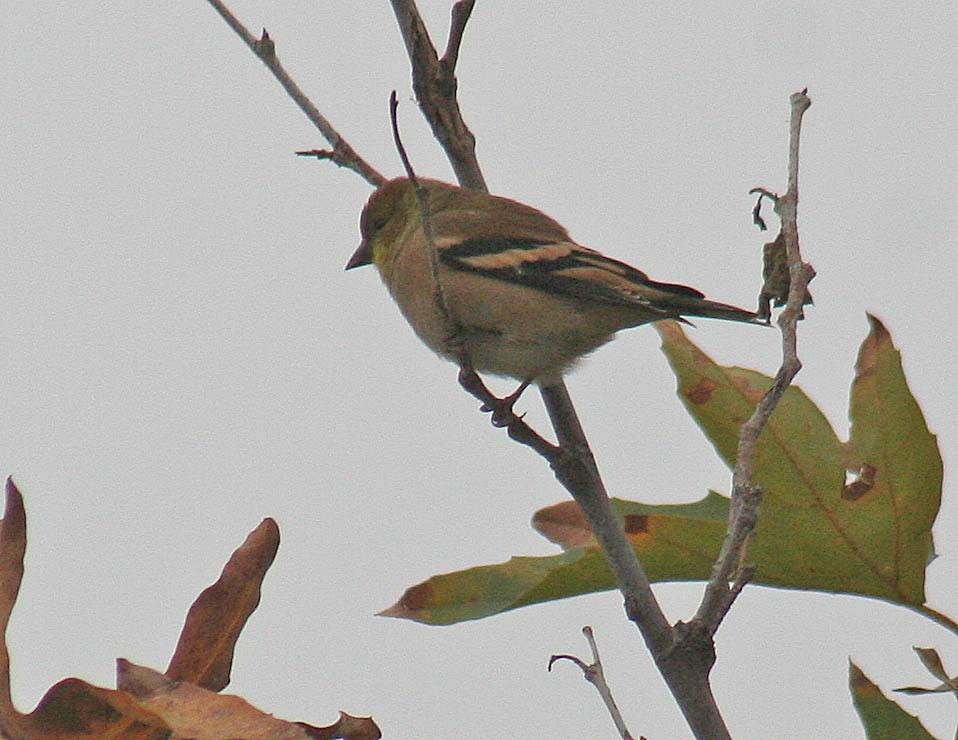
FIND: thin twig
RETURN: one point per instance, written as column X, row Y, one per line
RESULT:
column 594, row 674
column 439, row 296
column 264, row 48
column 516, row 426
column 746, row 496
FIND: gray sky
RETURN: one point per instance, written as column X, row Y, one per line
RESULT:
column 183, row 354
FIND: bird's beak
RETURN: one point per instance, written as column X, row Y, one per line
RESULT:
column 362, row 256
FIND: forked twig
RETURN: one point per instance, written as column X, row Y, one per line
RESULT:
column 435, row 87
column 593, row 673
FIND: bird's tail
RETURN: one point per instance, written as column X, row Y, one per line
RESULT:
column 714, row 310
column 681, row 300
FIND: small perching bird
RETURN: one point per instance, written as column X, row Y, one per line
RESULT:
column 516, row 297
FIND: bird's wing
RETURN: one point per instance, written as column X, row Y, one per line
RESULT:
column 566, row 268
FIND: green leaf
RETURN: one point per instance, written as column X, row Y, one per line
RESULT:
column 871, row 536
column 889, row 434
column 883, row 719
column 675, row 542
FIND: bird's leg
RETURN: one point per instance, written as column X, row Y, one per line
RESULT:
column 501, row 408
column 470, row 380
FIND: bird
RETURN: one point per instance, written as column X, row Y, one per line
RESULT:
column 516, row 296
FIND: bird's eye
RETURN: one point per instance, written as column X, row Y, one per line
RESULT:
column 372, row 222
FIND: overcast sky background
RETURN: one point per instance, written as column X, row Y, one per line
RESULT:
column 184, row 355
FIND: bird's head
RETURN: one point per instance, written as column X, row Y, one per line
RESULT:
column 386, row 215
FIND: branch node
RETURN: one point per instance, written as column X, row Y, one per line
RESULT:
column 265, row 47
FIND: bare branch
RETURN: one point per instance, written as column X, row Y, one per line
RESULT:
column 435, row 87
column 264, row 47
column 594, row 674
column 504, row 417
column 439, row 296
column 746, row 496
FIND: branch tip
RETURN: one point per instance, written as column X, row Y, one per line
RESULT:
column 265, row 50
column 593, row 673
column 317, row 153
column 265, row 46
column 460, row 17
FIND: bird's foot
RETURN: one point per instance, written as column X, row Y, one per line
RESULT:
column 501, row 408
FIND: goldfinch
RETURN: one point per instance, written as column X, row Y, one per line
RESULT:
column 518, row 297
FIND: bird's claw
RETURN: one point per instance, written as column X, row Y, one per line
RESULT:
column 501, row 408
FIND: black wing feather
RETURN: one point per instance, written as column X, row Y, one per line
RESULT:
column 552, row 273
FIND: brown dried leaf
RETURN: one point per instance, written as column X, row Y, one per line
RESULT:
column 932, row 661
column 776, row 278
column 346, row 727
column 204, row 654
column 71, row 708
column 149, row 705
column 563, row 524
column 200, row 714
column 75, row 709
column 13, row 545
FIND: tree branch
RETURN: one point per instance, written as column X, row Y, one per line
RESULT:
column 746, row 496
column 435, row 87
column 578, row 473
column 264, row 48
